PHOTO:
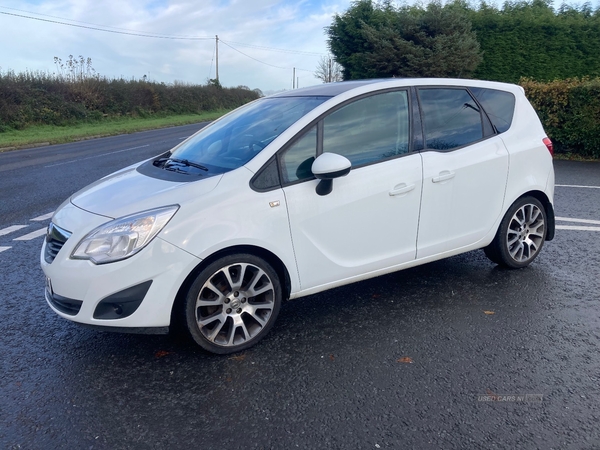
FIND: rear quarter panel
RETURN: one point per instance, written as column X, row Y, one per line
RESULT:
column 530, row 162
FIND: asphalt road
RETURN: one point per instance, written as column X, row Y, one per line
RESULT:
column 406, row 360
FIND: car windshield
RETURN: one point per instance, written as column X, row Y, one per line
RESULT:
column 234, row 140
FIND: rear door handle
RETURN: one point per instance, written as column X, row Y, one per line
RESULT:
column 402, row 188
column 443, row 176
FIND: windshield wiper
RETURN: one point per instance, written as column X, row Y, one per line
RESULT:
column 165, row 163
column 186, row 163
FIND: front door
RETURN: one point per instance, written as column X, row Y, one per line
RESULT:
column 370, row 219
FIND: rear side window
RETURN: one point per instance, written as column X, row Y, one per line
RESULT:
column 451, row 118
column 499, row 106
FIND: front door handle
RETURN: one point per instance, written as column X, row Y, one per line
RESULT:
column 402, row 188
column 443, row 176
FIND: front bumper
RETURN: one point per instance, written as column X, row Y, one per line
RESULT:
column 137, row 292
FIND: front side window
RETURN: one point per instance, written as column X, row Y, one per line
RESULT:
column 370, row 129
column 297, row 159
column 451, row 118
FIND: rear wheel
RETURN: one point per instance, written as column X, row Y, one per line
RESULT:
column 521, row 234
column 233, row 303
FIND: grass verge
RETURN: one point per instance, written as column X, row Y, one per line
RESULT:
column 52, row 134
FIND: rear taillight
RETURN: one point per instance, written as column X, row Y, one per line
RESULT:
column 548, row 143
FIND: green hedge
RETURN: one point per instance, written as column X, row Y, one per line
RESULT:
column 570, row 112
column 529, row 38
column 34, row 98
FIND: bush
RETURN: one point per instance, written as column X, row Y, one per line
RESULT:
column 570, row 112
column 34, row 98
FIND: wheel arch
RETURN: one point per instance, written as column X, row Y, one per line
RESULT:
column 548, row 207
column 270, row 257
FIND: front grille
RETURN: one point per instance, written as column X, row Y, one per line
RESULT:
column 55, row 239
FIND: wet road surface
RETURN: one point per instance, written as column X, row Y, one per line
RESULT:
column 407, row 360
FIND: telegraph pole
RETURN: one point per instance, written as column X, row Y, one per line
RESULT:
column 217, row 54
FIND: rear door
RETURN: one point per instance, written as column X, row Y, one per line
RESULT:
column 465, row 169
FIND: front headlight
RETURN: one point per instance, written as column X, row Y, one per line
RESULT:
column 124, row 237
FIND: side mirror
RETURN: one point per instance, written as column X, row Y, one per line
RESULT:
column 327, row 167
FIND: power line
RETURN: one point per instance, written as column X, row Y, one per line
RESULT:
column 124, row 31
column 99, row 28
column 273, row 49
column 108, row 28
column 258, row 60
column 77, row 21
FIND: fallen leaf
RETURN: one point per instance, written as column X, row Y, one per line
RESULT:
column 489, row 313
column 376, row 295
column 405, row 359
column 161, row 353
column 238, row 357
column 331, row 357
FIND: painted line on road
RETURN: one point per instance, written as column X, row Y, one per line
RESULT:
column 568, row 219
column 577, row 228
column 32, row 235
column 97, row 156
column 4, row 248
column 576, row 186
column 42, row 218
column 11, row 229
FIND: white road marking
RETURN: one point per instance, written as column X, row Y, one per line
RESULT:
column 32, row 235
column 576, row 186
column 568, row 219
column 41, row 218
column 574, row 227
column 8, row 230
column 97, row 156
column 4, row 248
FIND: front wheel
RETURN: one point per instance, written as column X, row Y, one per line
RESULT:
column 521, row 234
column 233, row 303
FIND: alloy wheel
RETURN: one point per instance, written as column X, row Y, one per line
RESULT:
column 235, row 304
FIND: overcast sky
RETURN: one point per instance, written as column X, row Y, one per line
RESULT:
column 253, row 27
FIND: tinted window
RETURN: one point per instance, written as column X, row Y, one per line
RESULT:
column 370, row 129
column 296, row 160
column 499, row 106
column 268, row 177
column 451, row 118
column 232, row 141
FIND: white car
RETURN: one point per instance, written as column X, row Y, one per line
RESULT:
column 301, row 192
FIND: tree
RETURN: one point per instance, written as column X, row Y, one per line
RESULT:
column 328, row 70
column 373, row 40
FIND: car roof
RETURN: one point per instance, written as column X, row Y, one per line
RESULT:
column 327, row 89
column 334, row 89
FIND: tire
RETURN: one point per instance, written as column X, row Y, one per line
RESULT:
column 233, row 303
column 521, row 234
